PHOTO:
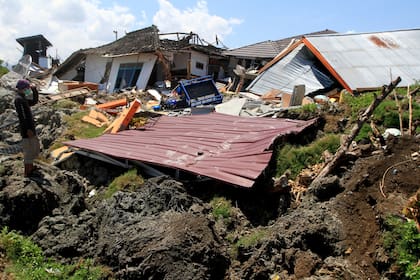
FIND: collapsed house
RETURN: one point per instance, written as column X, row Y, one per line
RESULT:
column 256, row 55
column 141, row 58
column 355, row 62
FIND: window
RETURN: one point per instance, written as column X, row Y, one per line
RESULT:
column 199, row 65
column 128, row 75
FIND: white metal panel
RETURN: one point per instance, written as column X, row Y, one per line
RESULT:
column 298, row 67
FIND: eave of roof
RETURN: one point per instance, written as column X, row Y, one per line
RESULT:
column 231, row 149
column 22, row 40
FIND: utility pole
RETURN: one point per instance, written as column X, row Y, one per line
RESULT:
column 116, row 34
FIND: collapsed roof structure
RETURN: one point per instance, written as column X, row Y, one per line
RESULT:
column 232, row 149
column 355, row 62
column 142, row 57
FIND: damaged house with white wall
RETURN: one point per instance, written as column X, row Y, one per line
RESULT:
column 143, row 57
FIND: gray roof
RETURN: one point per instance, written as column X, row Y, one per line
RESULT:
column 370, row 60
column 139, row 41
column 269, row 49
column 359, row 62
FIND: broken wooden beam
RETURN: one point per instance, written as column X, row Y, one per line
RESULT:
column 331, row 165
column 122, row 121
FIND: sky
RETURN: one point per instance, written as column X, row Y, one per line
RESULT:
column 71, row 25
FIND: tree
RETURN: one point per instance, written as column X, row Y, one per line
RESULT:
column 3, row 70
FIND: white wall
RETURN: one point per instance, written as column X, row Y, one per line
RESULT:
column 95, row 67
column 148, row 61
column 201, row 58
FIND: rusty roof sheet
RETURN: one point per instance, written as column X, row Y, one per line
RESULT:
column 228, row 148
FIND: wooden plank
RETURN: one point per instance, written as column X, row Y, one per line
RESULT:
column 112, row 104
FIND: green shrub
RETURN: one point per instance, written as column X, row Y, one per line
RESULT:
column 251, row 239
column 66, row 104
column 3, row 70
column 28, row 262
column 402, row 240
column 364, row 133
column 222, row 208
column 296, row 158
column 129, row 181
column 386, row 115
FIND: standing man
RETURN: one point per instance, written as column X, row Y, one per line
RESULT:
column 26, row 97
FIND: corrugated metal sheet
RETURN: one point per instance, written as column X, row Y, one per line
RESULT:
column 356, row 61
column 228, row 148
column 296, row 68
column 368, row 60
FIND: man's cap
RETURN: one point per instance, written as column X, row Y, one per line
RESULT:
column 22, row 84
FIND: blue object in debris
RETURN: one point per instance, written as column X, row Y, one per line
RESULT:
column 199, row 91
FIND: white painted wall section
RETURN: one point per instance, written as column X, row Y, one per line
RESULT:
column 95, row 68
column 148, row 61
column 199, row 58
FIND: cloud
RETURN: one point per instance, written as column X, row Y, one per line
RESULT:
column 196, row 19
column 71, row 25
column 68, row 24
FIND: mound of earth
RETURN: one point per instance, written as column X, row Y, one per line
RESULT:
column 166, row 230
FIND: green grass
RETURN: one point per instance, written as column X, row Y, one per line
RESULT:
column 129, row 181
column 79, row 129
column 248, row 241
column 402, row 240
column 386, row 115
column 251, row 239
column 27, row 262
column 295, row 158
column 66, row 104
column 222, row 208
column 76, row 129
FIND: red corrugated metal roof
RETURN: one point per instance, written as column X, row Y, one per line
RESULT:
column 227, row 148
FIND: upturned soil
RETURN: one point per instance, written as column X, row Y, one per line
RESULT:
column 165, row 229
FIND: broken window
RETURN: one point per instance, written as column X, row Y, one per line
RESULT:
column 128, row 75
column 199, row 65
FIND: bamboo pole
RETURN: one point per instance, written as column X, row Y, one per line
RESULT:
column 399, row 112
column 410, row 111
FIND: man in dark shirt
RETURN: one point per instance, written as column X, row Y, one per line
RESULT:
column 27, row 96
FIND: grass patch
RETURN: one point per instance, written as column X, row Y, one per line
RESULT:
column 222, row 208
column 251, row 239
column 295, row 158
column 129, row 181
column 76, row 129
column 66, row 104
column 28, row 262
column 402, row 240
column 247, row 242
